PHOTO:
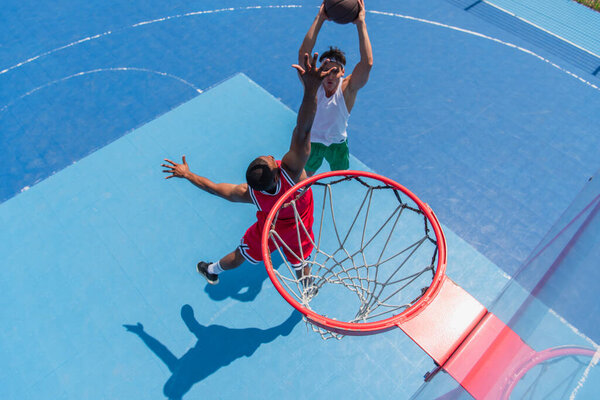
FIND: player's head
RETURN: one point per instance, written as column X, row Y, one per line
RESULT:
column 337, row 59
column 263, row 174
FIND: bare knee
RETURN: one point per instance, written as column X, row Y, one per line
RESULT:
column 232, row 260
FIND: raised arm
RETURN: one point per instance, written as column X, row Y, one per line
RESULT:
column 360, row 74
column 310, row 39
column 228, row 191
column 295, row 159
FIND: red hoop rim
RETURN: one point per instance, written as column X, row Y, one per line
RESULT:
column 541, row 357
column 366, row 328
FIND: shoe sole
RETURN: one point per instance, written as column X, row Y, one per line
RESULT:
column 206, row 277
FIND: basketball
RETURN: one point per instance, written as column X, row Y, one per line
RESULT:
column 342, row 11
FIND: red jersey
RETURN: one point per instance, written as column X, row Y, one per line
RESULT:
column 265, row 201
column 285, row 226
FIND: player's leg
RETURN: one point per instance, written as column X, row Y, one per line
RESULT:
column 232, row 260
column 211, row 271
column 298, row 254
column 302, row 272
column 315, row 159
column 306, row 279
column 338, row 156
column 248, row 250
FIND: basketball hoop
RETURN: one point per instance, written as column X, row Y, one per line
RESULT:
column 576, row 360
column 375, row 262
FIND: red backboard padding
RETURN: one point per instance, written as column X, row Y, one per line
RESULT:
column 470, row 343
column 487, row 359
column 444, row 324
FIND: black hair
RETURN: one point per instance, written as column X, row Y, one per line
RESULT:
column 334, row 54
column 259, row 176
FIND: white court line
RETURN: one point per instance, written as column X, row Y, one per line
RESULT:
column 196, row 13
column 87, row 39
column 489, row 38
column 541, row 29
column 94, row 71
column 206, row 12
column 572, row 328
column 584, row 377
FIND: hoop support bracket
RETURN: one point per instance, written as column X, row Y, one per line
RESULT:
column 473, row 345
column 445, row 323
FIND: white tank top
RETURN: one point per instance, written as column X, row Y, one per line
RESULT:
column 331, row 119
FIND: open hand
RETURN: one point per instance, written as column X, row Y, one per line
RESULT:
column 139, row 328
column 177, row 170
column 310, row 74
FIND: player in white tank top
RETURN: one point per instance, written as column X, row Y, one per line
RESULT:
column 331, row 119
column 263, row 176
column 336, row 96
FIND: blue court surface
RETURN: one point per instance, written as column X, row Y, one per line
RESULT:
column 488, row 111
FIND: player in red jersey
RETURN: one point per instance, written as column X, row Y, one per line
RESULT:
column 267, row 180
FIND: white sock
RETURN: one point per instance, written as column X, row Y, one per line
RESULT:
column 298, row 267
column 215, row 268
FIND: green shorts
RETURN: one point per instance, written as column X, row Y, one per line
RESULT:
column 336, row 154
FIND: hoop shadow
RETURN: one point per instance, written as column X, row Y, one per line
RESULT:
column 217, row 346
column 243, row 283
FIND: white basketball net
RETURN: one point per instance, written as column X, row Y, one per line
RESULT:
column 373, row 257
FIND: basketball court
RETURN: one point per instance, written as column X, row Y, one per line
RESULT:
column 486, row 112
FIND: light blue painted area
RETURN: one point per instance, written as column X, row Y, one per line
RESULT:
column 474, row 127
column 568, row 19
column 455, row 116
column 552, row 30
column 561, row 272
column 538, row 304
column 108, row 241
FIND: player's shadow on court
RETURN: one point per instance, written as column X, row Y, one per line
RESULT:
column 217, row 346
column 243, row 283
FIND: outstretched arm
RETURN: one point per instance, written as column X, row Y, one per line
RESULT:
column 153, row 344
column 295, row 159
column 310, row 39
column 360, row 74
column 228, row 191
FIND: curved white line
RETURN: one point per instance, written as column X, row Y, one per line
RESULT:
column 540, row 28
column 251, row 8
column 584, row 377
column 54, row 51
column 190, row 14
column 195, row 13
column 524, row 50
column 93, row 71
